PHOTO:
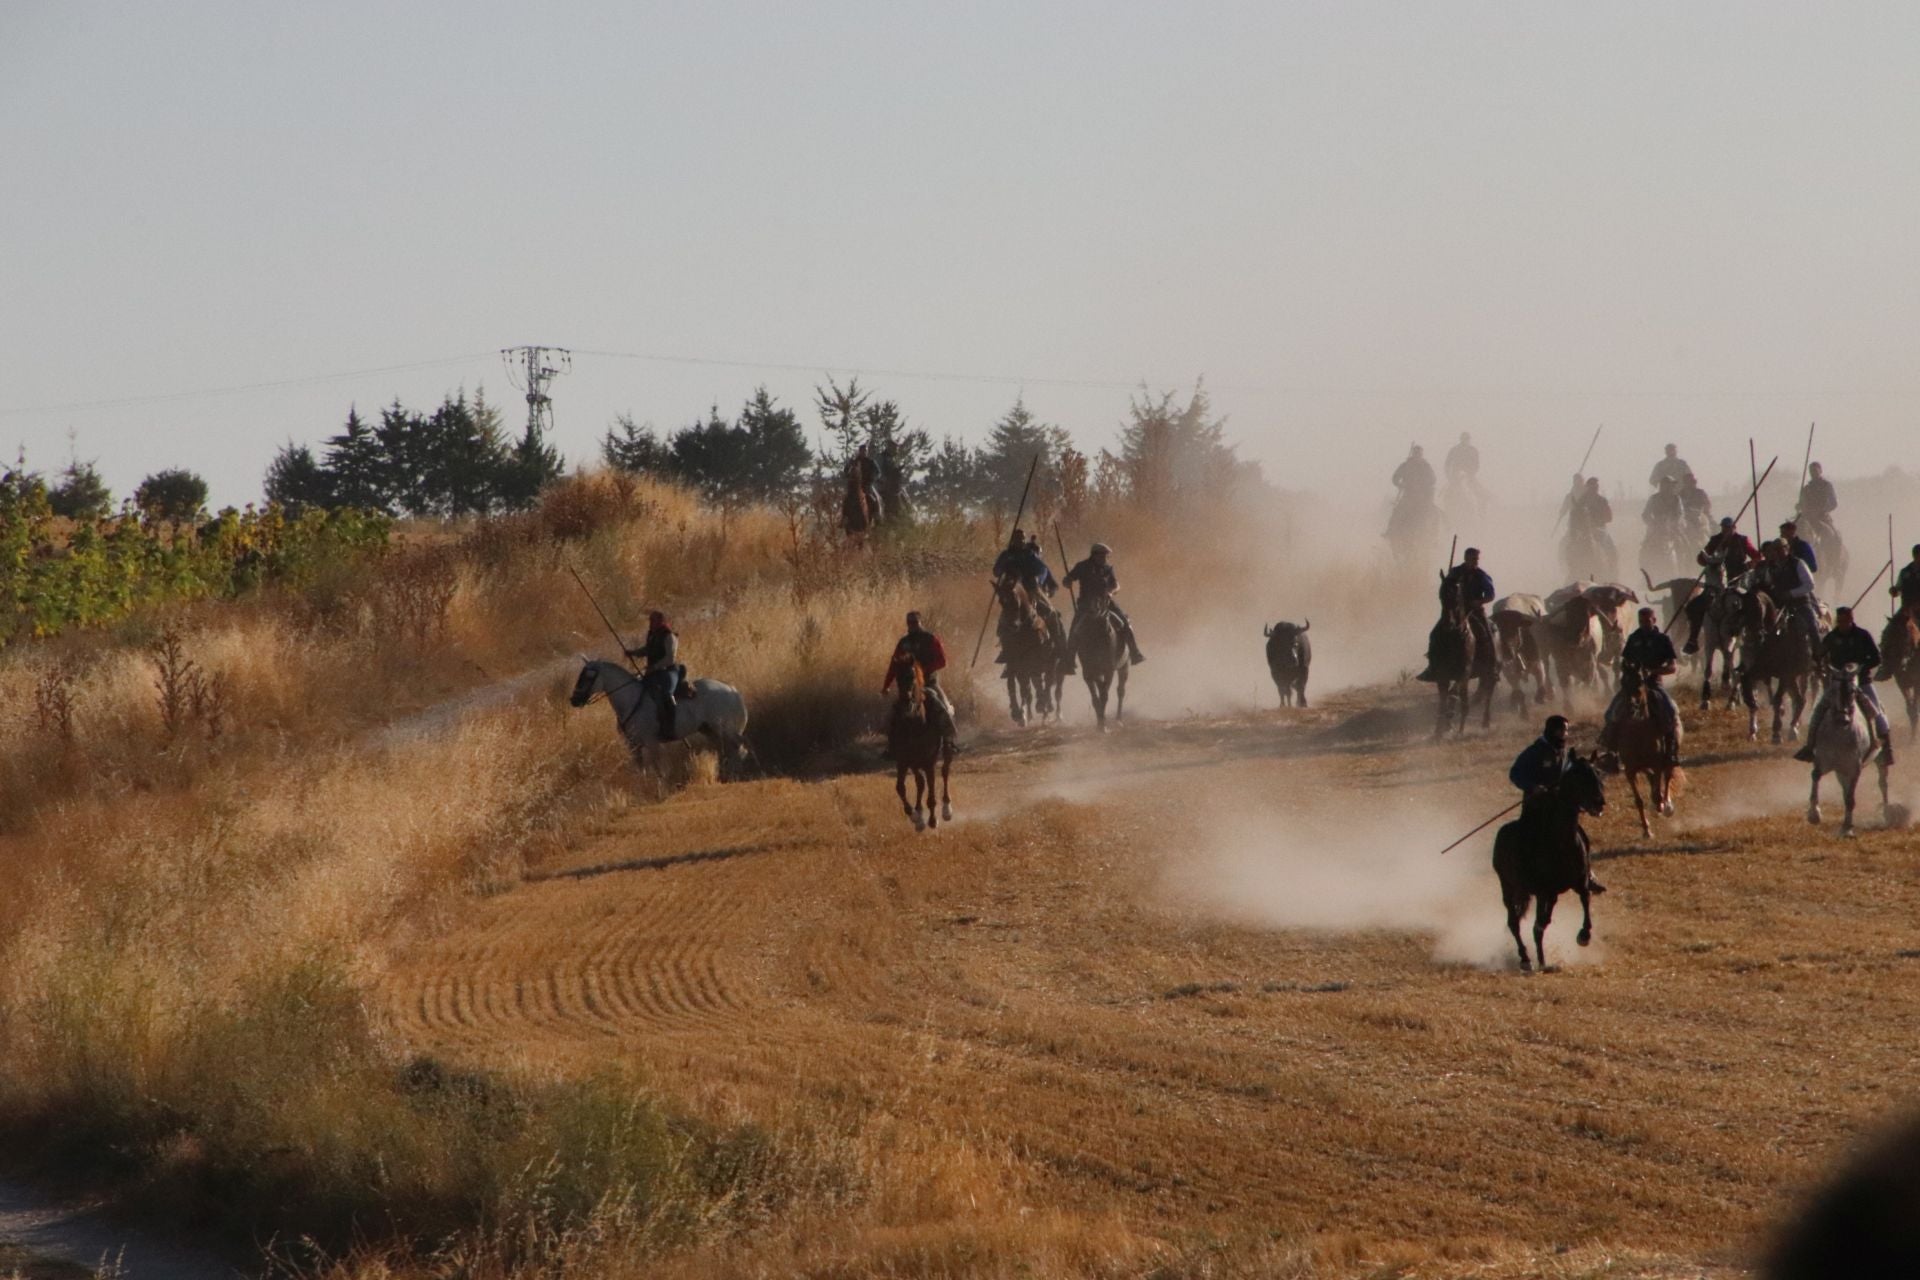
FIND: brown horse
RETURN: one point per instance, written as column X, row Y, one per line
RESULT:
column 1543, row 853
column 1569, row 640
column 1028, row 653
column 1455, row 662
column 1900, row 663
column 1777, row 657
column 918, row 744
column 859, row 509
column 1643, row 749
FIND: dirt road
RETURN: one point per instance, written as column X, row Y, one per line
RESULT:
column 1210, row 981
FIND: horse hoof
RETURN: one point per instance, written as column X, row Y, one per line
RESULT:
column 919, row 823
column 1586, row 937
column 1813, row 817
column 946, row 813
column 1846, row 833
column 1666, row 810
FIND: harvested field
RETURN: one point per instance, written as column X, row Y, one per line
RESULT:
column 1202, row 994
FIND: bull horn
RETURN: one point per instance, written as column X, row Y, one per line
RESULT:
column 1307, row 625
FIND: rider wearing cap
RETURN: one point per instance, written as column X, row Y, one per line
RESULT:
column 1848, row 643
column 1650, row 652
column 1097, row 583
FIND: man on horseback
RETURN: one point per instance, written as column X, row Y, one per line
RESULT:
column 922, row 647
column 1726, row 557
column 1789, row 582
column 1818, row 501
column 1098, row 584
column 1537, row 772
column 1798, row 547
column 1463, row 464
column 1022, row 560
column 1414, row 477
column 1663, row 511
column 1907, row 586
column 1474, row 586
column 1849, row 643
column 1650, row 653
column 1696, row 505
column 1671, row 467
column 663, row 673
column 864, row 473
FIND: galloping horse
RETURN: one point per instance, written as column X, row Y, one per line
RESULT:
column 1643, row 749
column 918, row 745
column 1841, row 746
column 1543, row 853
column 1569, row 639
column 714, row 712
column 1719, row 632
column 1829, row 550
column 1456, row 663
column 1027, row 650
column 1776, row 655
column 1100, row 644
column 1900, row 663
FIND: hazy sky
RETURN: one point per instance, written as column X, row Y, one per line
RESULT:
column 1365, row 224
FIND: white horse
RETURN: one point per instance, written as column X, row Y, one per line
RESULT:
column 1842, row 746
column 715, row 713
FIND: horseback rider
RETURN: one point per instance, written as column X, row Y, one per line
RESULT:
column 662, row 674
column 1662, row 513
column 1671, row 467
column 1023, row 561
column 1907, row 586
column 1097, row 583
column 1475, row 588
column 1414, row 477
column 1537, row 772
column 1696, row 505
column 1786, row 580
column 892, row 485
column 1463, row 465
column 1818, row 501
column 923, row 647
column 1726, row 557
column 1650, row 652
column 865, row 474
column 1849, row 643
column 1798, row 547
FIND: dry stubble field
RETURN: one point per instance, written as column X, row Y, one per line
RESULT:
column 1202, row 996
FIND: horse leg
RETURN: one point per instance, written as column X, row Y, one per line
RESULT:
column 1120, row 702
column 946, row 776
column 900, row 789
column 1013, row 698
column 1097, row 694
column 1706, row 680
column 1542, row 917
column 1517, row 907
column 1849, row 784
column 1813, row 798
column 923, row 785
column 1753, row 707
column 1663, row 778
column 1586, row 915
column 1633, row 785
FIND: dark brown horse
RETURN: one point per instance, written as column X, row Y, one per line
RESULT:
column 1031, row 661
column 1570, row 639
column 1455, row 661
column 1900, row 663
column 1100, row 645
column 1544, row 853
column 918, row 744
column 859, row 508
column 1644, row 749
column 1776, row 656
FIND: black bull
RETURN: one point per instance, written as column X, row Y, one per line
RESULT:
column 1289, row 655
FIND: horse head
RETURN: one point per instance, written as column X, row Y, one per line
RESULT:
column 1582, row 786
column 1843, row 681
column 587, row 685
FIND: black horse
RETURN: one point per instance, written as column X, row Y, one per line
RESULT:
column 1100, row 646
column 1900, row 663
column 1030, row 652
column 1544, row 853
column 1778, row 658
column 1456, row 658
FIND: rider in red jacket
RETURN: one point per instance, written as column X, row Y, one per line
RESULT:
column 923, row 647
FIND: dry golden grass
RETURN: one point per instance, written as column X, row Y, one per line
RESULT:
column 1197, row 999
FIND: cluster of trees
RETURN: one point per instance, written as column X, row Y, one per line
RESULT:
column 1171, row 451
column 78, row 493
column 455, row 461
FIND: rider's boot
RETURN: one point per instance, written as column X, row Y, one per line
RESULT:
column 666, row 721
column 1133, row 649
column 1693, row 636
column 1886, row 749
column 1805, row 753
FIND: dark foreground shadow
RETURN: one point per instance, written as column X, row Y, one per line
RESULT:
column 664, row 862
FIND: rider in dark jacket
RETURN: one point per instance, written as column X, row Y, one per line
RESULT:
column 1097, row 583
column 662, row 674
column 1475, row 586
column 1726, row 556
column 1848, row 643
column 1537, row 772
column 1907, row 587
column 1798, row 547
column 1649, row 651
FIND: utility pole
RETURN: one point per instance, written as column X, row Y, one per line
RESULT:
column 531, row 369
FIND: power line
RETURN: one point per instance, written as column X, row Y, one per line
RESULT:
column 242, row 388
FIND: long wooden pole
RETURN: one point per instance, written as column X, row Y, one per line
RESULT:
column 1752, row 497
column 1018, row 513
column 1871, row 585
column 1483, row 826
column 1759, row 535
column 1803, row 471
column 1076, row 603
column 1905, row 604
column 617, row 637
